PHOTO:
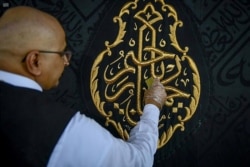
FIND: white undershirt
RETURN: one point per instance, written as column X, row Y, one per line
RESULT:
column 84, row 143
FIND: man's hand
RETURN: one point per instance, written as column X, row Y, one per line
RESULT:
column 155, row 94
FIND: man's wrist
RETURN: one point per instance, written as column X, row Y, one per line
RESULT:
column 154, row 102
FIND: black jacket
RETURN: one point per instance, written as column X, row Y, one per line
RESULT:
column 31, row 124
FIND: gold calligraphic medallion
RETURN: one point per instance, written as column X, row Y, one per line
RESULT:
column 145, row 45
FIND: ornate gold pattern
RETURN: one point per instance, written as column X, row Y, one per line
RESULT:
column 148, row 49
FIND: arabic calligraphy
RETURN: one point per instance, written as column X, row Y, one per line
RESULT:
column 147, row 48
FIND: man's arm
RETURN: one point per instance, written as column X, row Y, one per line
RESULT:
column 86, row 143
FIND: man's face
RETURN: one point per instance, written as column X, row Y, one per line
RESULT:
column 52, row 70
column 52, row 64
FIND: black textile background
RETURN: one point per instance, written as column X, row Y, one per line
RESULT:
column 222, row 26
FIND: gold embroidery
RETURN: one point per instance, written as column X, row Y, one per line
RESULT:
column 146, row 49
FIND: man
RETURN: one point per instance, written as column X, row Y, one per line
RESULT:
column 38, row 131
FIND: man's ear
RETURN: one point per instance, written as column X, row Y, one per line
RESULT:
column 33, row 63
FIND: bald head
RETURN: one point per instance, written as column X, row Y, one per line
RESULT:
column 25, row 28
column 24, row 31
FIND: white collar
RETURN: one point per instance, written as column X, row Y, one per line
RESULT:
column 19, row 80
